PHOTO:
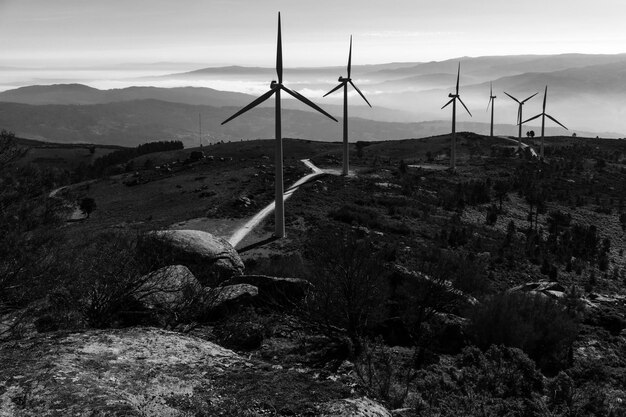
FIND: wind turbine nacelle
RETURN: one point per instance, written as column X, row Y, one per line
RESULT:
column 451, row 95
column 341, row 79
column 273, row 84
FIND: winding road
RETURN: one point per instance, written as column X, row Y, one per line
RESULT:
column 243, row 231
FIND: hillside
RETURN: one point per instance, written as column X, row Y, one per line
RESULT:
column 515, row 268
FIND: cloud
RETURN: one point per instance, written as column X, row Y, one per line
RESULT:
column 410, row 34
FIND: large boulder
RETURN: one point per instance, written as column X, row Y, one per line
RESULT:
column 211, row 258
column 356, row 407
column 275, row 290
column 222, row 300
column 170, row 288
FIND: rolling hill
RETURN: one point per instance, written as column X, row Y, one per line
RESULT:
column 130, row 123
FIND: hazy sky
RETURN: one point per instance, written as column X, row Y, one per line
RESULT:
column 217, row 32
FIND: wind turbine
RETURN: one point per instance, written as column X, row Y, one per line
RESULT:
column 492, row 103
column 275, row 89
column 543, row 115
column 343, row 82
column 453, row 99
column 519, row 115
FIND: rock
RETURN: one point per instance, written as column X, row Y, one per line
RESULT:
column 403, row 412
column 169, row 288
column 221, row 300
column 131, row 371
column 210, row 258
column 539, row 286
column 549, row 289
column 244, row 201
column 446, row 292
column 357, row 407
column 274, row 290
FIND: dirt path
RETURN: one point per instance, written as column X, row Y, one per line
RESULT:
column 243, row 231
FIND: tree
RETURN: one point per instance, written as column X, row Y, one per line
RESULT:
column 347, row 281
column 501, row 189
column 87, row 205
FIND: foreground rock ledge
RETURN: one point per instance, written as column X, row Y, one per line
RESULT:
column 153, row 372
column 136, row 371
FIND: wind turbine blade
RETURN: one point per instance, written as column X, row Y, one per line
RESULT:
column 350, row 58
column 458, row 76
column 545, row 96
column 519, row 114
column 511, row 96
column 490, row 89
column 532, row 118
column 334, row 89
column 529, row 98
column 360, row 93
column 279, row 54
column 251, row 105
column 306, row 101
column 466, row 109
column 556, row 121
column 448, row 103
column 489, row 103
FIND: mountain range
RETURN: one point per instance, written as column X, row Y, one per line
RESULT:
column 587, row 93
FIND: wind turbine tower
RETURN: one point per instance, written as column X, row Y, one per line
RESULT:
column 519, row 115
column 343, row 82
column 492, row 103
column 543, row 115
column 275, row 89
column 453, row 99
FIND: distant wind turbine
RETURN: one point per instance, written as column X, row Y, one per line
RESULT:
column 453, row 99
column 492, row 103
column 543, row 115
column 519, row 115
column 343, row 82
column 275, row 88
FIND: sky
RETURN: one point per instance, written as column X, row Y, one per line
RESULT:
column 77, row 33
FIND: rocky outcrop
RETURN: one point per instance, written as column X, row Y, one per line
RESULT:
column 357, row 407
column 211, row 258
column 549, row 289
column 170, row 288
column 134, row 371
column 221, row 300
column 274, row 290
column 145, row 371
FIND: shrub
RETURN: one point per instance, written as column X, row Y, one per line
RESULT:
column 499, row 382
column 535, row 324
column 362, row 216
column 110, row 274
column 384, row 375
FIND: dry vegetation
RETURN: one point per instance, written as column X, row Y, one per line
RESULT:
column 413, row 269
